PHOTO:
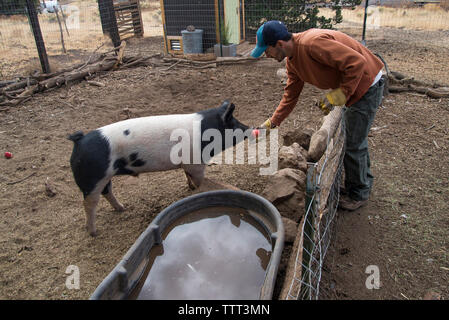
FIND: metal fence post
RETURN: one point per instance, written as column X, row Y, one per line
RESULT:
column 109, row 21
column 34, row 21
column 220, row 26
column 364, row 22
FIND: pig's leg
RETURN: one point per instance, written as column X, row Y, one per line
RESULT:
column 90, row 204
column 107, row 193
column 189, row 181
column 195, row 174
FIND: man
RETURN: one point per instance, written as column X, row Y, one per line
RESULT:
column 329, row 59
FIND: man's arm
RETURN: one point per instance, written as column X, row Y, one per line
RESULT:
column 291, row 93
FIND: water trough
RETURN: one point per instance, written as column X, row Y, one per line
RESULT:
column 223, row 244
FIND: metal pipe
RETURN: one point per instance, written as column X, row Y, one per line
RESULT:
column 34, row 21
column 364, row 22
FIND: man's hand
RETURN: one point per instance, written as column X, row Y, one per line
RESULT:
column 336, row 97
column 333, row 98
column 267, row 125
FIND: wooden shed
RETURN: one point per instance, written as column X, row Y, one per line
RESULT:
column 205, row 15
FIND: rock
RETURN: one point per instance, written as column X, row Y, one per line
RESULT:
column 50, row 190
column 301, row 136
column 291, row 229
column 283, row 184
column 293, row 156
column 286, row 190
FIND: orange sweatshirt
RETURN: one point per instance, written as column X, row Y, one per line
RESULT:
column 327, row 59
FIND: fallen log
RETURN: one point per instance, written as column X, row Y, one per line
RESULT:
column 17, row 92
column 120, row 54
column 396, row 89
column 320, row 139
column 19, row 85
column 5, row 83
column 402, row 83
column 232, row 60
column 436, row 93
column 397, row 75
column 106, row 64
column 291, row 289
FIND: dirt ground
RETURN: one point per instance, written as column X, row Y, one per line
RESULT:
column 402, row 230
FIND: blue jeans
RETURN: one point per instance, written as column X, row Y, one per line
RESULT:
column 358, row 120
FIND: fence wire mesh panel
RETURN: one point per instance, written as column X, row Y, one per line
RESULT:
column 73, row 29
column 381, row 18
column 318, row 224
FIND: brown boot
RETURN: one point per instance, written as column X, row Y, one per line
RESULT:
column 349, row 204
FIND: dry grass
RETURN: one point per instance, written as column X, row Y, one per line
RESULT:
column 444, row 4
column 431, row 17
column 17, row 43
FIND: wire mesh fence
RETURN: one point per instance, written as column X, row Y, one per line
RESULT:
column 318, row 226
column 71, row 30
column 78, row 27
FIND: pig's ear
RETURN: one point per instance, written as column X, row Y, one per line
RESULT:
column 227, row 115
column 224, row 105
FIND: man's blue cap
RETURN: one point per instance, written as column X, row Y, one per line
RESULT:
column 267, row 35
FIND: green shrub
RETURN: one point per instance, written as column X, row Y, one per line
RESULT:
column 12, row 7
column 297, row 15
column 224, row 33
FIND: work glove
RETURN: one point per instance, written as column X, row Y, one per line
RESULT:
column 333, row 98
column 267, row 125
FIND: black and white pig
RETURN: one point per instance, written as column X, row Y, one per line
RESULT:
column 139, row 145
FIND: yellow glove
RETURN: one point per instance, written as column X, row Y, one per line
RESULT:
column 336, row 97
column 267, row 125
column 333, row 98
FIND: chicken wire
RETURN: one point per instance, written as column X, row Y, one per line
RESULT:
column 319, row 220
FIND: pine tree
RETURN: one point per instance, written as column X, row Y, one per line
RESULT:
column 297, row 15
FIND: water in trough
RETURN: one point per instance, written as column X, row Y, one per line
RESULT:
column 212, row 253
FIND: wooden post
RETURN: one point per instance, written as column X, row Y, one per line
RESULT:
column 64, row 19
column 308, row 234
column 34, row 21
column 109, row 21
column 61, row 31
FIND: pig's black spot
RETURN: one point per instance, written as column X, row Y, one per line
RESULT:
column 133, row 156
column 90, row 167
column 126, row 132
column 120, row 165
column 138, row 163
